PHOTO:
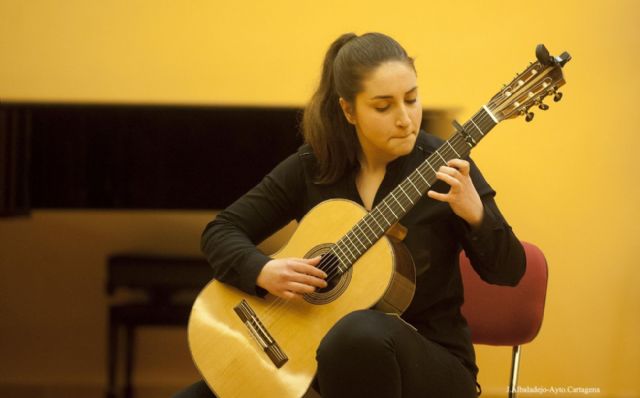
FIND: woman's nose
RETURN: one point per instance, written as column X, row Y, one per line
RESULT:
column 403, row 118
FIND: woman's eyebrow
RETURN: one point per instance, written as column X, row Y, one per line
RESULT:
column 391, row 96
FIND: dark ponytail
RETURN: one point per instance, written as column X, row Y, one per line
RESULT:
column 346, row 64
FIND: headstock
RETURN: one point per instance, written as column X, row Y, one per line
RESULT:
column 541, row 79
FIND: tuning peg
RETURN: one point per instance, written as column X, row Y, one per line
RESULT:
column 543, row 106
column 557, row 96
column 529, row 116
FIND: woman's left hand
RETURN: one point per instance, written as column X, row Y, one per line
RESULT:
column 462, row 197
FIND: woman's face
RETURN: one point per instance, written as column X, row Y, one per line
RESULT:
column 387, row 113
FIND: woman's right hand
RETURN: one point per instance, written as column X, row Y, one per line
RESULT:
column 290, row 278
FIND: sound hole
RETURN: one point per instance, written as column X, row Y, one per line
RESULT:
column 337, row 281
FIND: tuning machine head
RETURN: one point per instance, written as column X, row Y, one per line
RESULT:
column 528, row 114
column 542, row 105
column 557, row 96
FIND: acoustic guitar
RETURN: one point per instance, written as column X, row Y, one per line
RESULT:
column 246, row 346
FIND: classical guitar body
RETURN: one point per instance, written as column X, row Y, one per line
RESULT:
column 226, row 346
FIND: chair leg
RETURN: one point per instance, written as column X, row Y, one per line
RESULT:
column 515, row 367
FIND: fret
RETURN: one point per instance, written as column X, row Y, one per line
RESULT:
column 383, row 216
column 478, row 128
column 364, row 220
column 374, row 219
column 405, row 194
column 423, row 179
column 340, row 262
column 489, row 122
column 391, row 210
column 427, row 162
column 454, row 150
column 354, row 255
column 460, row 143
column 343, row 252
column 357, row 241
column 414, row 186
column 398, row 202
column 353, row 245
column 350, row 252
column 363, row 234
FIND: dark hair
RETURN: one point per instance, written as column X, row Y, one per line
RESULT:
column 346, row 64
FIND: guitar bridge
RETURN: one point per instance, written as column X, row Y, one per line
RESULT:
column 260, row 334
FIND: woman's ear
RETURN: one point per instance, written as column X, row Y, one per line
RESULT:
column 347, row 109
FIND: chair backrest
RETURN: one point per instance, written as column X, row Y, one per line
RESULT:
column 502, row 315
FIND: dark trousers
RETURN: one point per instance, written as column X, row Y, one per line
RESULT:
column 371, row 354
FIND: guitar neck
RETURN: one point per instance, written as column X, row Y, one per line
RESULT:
column 402, row 199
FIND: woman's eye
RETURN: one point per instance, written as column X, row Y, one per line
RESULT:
column 382, row 108
column 411, row 101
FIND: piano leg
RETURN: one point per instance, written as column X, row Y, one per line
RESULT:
column 130, row 344
column 112, row 356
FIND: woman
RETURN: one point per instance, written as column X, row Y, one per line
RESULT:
column 362, row 133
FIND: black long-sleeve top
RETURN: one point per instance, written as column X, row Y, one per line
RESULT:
column 435, row 237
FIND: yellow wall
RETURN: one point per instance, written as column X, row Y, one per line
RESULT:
column 566, row 181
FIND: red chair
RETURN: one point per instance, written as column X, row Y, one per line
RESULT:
column 506, row 316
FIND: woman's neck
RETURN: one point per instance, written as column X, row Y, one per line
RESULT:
column 368, row 181
column 374, row 163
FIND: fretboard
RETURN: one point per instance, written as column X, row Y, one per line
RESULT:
column 399, row 201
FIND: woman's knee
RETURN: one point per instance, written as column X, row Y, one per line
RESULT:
column 364, row 331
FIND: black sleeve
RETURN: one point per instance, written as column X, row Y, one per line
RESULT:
column 229, row 241
column 495, row 252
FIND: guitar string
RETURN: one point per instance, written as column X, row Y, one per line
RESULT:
column 332, row 266
column 280, row 303
column 447, row 150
